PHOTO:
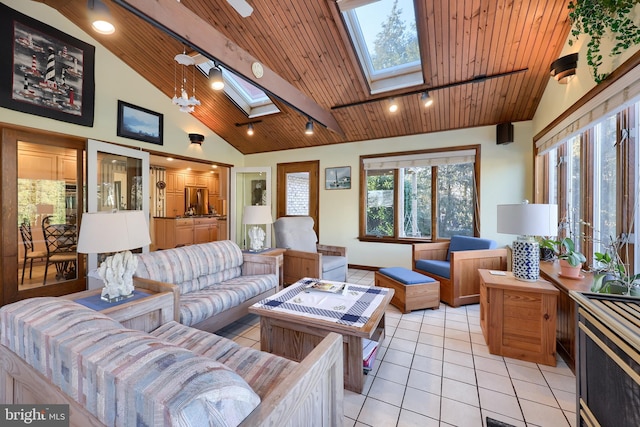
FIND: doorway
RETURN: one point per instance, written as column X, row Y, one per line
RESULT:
column 298, row 190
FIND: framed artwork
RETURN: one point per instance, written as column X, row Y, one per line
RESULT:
column 139, row 123
column 44, row 71
column 337, row 178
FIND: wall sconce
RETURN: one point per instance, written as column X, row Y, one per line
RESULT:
column 250, row 129
column 309, row 128
column 426, row 99
column 563, row 68
column 215, row 78
column 196, row 138
column 393, row 105
column 100, row 17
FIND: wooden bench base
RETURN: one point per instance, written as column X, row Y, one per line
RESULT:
column 410, row 297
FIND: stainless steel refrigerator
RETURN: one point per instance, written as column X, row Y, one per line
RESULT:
column 196, row 198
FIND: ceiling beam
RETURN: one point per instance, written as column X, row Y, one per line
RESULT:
column 175, row 19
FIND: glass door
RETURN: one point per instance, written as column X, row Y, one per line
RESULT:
column 118, row 179
column 249, row 186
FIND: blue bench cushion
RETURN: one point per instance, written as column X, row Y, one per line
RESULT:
column 468, row 243
column 405, row 276
column 437, row 267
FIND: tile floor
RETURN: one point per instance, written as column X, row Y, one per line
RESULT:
column 434, row 369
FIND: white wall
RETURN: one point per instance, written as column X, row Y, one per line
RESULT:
column 115, row 80
column 506, row 177
column 559, row 97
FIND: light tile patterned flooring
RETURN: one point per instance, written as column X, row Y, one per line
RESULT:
column 434, row 369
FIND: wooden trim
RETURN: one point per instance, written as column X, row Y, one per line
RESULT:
column 312, row 167
column 623, row 69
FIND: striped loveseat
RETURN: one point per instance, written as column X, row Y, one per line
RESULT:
column 54, row 350
column 216, row 281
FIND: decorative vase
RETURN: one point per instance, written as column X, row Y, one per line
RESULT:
column 567, row 270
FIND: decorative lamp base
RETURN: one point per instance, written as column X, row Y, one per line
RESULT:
column 116, row 298
column 526, row 260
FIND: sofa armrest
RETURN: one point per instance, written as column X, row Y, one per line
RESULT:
column 435, row 251
column 331, row 250
column 313, row 391
column 155, row 286
column 253, row 264
column 299, row 264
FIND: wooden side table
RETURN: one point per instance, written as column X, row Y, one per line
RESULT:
column 518, row 319
column 278, row 253
column 147, row 313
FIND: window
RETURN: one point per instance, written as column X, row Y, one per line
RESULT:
column 385, row 39
column 425, row 195
column 249, row 98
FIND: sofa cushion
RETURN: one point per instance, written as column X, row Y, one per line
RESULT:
column 192, row 267
column 432, row 266
column 121, row 376
column 261, row 370
column 405, row 276
column 199, row 305
column 469, row 243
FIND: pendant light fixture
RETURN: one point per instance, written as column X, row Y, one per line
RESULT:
column 393, row 105
column 184, row 102
column 250, row 129
column 101, row 19
column 215, row 77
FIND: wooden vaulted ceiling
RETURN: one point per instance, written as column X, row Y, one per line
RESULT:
column 306, row 44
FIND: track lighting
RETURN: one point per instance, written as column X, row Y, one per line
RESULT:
column 215, row 78
column 100, row 17
column 250, row 129
column 393, row 105
column 309, row 128
column 426, row 99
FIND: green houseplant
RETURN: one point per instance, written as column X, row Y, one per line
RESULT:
column 598, row 19
column 611, row 274
column 570, row 259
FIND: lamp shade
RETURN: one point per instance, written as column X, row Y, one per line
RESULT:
column 528, row 219
column 104, row 232
column 257, row 215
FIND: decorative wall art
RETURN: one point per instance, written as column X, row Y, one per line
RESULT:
column 337, row 178
column 139, row 123
column 259, row 192
column 44, row 71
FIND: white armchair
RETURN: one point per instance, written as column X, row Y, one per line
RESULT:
column 304, row 257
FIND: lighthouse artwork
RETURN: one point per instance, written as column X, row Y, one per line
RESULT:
column 51, row 73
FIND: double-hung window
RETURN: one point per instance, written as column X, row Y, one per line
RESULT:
column 426, row 195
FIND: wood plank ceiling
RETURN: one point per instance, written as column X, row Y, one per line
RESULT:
column 305, row 43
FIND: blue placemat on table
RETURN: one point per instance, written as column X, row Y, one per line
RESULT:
column 96, row 303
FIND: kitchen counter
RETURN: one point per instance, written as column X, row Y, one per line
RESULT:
column 221, row 217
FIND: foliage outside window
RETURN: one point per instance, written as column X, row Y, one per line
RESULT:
column 419, row 196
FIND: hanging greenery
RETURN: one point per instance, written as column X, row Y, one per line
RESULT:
column 597, row 18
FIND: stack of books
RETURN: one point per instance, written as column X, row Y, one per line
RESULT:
column 369, row 350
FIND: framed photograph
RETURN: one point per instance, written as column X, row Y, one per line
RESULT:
column 139, row 123
column 258, row 192
column 44, row 71
column 337, row 178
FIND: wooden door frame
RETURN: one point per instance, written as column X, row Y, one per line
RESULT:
column 9, row 137
column 313, row 168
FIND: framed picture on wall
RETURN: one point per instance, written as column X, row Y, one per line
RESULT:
column 44, row 71
column 337, row 178
column 139, row 123
column 258, row 192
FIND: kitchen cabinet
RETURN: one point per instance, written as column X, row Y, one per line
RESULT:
column 173, row 232
column 175, row 204
column 205, row 230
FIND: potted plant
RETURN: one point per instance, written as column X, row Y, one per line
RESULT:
column 611, row 274
column 570, row 259
column 547, row 249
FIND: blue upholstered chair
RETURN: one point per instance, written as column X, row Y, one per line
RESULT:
column 455, row 265
column 304, row 256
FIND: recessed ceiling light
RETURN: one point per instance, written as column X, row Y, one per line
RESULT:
column 169, row 159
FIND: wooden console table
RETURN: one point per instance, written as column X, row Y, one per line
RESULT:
column 566, row 317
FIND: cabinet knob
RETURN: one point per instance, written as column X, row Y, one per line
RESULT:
column 546, row 316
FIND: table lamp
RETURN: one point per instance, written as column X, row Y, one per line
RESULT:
column 119, row 231
column 256, row 216
column 527, row 220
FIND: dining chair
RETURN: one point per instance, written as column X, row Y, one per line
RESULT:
column 61, row 242
column 29, row 251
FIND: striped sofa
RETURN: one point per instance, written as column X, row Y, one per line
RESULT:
column 54, row 350
column 216, row 281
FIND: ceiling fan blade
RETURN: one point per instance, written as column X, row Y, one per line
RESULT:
column 242, row 7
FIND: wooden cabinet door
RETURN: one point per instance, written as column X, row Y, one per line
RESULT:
column 175, row 204
column 214, row 185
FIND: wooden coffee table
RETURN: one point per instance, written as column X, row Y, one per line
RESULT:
column 293, row 322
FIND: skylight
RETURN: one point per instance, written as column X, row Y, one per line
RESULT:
column 252, row 100
column 385, row 38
